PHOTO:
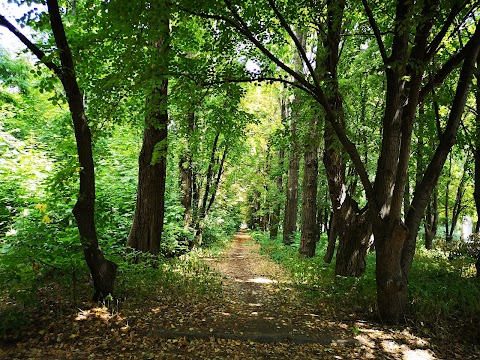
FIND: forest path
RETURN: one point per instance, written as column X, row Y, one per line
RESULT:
column 260, row 304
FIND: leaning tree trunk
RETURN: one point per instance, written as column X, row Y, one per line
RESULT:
column 103, row 271
column 146, row 232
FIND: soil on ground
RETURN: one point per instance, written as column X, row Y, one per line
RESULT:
column 258, row 314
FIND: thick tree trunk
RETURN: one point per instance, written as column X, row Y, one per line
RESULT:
column 354, row 241
column 392, row 289
column 147, row 227
column 309, row 233
column 146, row 232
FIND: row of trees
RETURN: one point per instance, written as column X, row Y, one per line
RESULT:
column 410, row 57
column 377, row 84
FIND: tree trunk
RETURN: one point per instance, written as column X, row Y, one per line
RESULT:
column 448, row 237
column 476, row 191
column 354, row 241
column 146, row 232
column 275, row 219
column 186, row 175
column 432, row 172
column 309, row 233
column 103, row 271
column 392, row 289
column 431, row 221
column 353, row 244
column 457, row 206
column 291, row 205
column 332, row 239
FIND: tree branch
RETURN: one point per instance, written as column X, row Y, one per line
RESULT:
column 31, row 46
column 259, row 79
column 433, row 47
column 376, row 31
column 446, row 69
column 299, row 47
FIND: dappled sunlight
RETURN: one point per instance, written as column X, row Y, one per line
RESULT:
column 400, row 345
column 102, row 313
column 262, row 280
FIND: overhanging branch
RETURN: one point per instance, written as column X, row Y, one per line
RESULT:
column 31, row 46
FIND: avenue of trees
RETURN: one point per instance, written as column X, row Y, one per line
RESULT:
column 161, row 124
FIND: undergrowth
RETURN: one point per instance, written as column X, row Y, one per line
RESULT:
column 444, row 292
column 153, row 280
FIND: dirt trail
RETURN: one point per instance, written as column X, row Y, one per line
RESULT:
column 261, row 306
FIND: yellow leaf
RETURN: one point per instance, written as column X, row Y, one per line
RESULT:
column 41, row 207
column 46, row 219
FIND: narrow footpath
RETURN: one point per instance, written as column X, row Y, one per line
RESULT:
column 262, row 306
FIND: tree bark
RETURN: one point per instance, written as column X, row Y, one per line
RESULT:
column 355, row 241
column 291, row 205
column 431, row 221
column 186, row 175
column 309, row 232
column 147, row 228
column 275, row 219
column 392, row 289
column 476, row 191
